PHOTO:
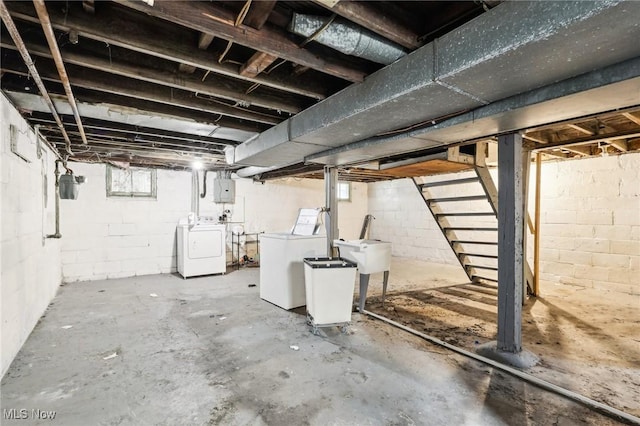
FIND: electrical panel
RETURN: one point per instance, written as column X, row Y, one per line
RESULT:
column 224, row 191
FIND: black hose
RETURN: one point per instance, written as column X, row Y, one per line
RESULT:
column 204, row 185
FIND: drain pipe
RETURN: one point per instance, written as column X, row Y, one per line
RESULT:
column 57, row 233
column 15, row 35
column 543, row 384
column 43, row 15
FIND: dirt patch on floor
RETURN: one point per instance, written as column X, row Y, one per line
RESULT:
column 588, row 340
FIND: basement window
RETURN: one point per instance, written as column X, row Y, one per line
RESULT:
column 344, row 191
column 132, row 182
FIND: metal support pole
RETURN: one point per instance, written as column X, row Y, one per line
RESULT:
column 510, row 243
column 331, row 205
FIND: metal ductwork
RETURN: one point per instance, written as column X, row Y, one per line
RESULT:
column 346, row 37
column 503, row 66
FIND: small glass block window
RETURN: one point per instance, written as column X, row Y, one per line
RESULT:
column 131, row 182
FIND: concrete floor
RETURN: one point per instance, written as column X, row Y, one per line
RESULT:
column 210, row 351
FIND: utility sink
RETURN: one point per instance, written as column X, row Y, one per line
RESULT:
column 371, row 255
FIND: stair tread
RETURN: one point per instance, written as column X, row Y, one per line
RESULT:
column 490, row 268
column 449, row 182
column 466, row 214
column 460, row 198
column 474, row 242
column 484, row 278
column 469, row 228
column 489, row 256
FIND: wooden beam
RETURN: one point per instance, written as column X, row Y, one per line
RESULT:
column 536, row 234
column 299, row 69
column 633, row 144
column 258, row 14
column 89, row 6
column 133, row 89
column 140, row 36
column 581, row 129
column 554, row 154
column 603, row 137
column 535, row 139
column 366, row 15
column 204, row 41
column 580, row 150
column 632, row 117
column 116, row 102
column 212, row 19
column 187, row 69
column 256, row 64
column 620, row 144
column 157, row 76
column 122, row 129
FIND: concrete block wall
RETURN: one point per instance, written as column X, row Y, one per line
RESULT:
column 590, row 222
column 402, row 218
column 30, row 265
column 113, row 237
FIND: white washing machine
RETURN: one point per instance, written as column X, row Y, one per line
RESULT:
column 201, row 248
column 282, row 266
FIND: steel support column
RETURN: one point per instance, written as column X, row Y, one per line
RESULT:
column 510, row 242
column 331, row 205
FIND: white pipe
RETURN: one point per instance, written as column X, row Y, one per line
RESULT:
column 595, row 405
column 252, row 171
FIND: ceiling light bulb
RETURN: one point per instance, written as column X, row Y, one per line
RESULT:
column 196, row 165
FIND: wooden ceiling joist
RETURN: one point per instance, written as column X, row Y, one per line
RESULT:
column 212, row 19
column 580, row 150
column 605, row 137
column 632, row 117
column 581, row 129
column 256, row 64
column 98, row 81
column 114, row 29
column 157, row 76
column 259, row 13
column 620, row 144
column 204, row 41
column 127, row 131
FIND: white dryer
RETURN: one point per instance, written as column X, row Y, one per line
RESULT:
column 201, row 248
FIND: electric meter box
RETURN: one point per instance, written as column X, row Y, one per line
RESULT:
column 224, row 191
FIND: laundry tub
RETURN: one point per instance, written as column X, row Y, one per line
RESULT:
column 371, row 256
column 329, row 284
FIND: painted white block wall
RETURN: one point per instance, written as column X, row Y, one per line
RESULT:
column 110, row 237
column 30, row 265
column 590, row 222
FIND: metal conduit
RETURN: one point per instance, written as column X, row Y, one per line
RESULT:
column 43, row 15
column 543, row 384
column 17, row 39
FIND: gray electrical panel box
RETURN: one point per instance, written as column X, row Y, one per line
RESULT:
column 224, row 191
